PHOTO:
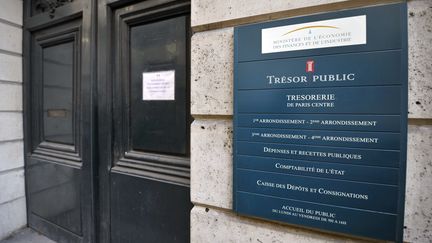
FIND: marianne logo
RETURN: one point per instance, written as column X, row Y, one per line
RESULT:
column 312, row 35
column 310, row 28
column 310, row 66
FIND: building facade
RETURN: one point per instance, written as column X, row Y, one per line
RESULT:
column 120, row 187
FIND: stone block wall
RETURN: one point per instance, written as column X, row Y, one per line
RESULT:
column 12, row 193
column 212, row 218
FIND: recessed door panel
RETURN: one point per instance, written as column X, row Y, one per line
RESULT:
column 145, row 210
column 58, row 92
column 158, row 125
column 54, row 195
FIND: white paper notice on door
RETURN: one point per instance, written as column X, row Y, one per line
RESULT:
column 159, row 85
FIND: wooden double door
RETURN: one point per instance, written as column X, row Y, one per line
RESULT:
column 107, row 119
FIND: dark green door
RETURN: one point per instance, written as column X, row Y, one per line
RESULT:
column 144, row 138
column 107, row 120
column 59, row 121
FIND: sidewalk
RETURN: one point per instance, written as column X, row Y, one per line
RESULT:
column 26, row 235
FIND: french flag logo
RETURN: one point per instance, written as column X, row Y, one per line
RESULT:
column 310, row 66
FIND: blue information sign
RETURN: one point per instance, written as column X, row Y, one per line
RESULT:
column 320, row 121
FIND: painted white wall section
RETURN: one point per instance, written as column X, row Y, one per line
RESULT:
column 12, row 193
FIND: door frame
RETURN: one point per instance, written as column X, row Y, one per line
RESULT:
column 86, row 10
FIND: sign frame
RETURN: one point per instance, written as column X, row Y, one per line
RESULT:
column 246, row 43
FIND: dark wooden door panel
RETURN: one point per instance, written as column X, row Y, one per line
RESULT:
column 145, row 210
column 55, row 84
column 148, row 173
column 58, row 69
column 142, row 149
column 54, row 199
column 54, row 165
column 155, row 47
column 58, row 121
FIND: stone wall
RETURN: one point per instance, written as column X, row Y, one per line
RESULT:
column 12, row 193
column 212, row 219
